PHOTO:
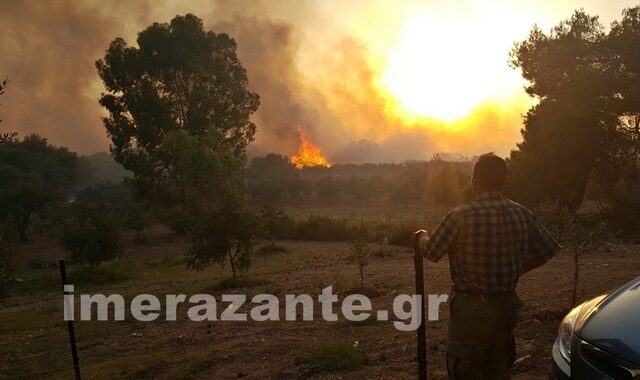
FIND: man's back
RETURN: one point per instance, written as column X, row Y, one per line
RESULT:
column 491, row 242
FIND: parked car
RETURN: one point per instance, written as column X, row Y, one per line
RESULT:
column 600, row 339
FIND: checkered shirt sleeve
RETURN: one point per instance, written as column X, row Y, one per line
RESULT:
column 443, row 238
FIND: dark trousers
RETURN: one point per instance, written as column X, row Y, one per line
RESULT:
column 480, row 342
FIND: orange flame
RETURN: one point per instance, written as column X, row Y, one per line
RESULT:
column 308, row 154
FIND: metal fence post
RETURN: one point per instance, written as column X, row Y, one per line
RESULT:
column 421, row 333
column 70, row 325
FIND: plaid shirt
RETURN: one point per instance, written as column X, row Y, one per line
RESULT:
column 488, row 240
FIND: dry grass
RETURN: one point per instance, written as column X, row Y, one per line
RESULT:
column 35, row 340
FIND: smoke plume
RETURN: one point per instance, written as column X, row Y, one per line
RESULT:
column 325, row 83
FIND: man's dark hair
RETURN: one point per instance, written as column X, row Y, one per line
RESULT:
column 490, row 171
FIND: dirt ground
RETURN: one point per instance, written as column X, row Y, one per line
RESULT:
column 35, row 341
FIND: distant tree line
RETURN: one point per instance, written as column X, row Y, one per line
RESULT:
column 272, row 180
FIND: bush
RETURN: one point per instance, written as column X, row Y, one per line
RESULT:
column 91, row 237
column 274, row 224
column 578, row 235
column 401, row 234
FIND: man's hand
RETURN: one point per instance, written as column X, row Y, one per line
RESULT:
column 422, row 236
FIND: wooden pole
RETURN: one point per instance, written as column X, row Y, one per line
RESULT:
column 70, row 325
column 421, row 333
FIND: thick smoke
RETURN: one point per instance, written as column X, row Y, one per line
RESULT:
column 49, row 50
column 269, row 50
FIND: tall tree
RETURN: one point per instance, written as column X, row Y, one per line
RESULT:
column 574, row 128
column 179, row 120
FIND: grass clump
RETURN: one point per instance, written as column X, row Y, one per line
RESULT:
column 333, row 357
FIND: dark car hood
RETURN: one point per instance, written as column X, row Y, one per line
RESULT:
column 613, row 323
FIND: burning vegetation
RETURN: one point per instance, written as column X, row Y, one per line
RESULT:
column 308, row 154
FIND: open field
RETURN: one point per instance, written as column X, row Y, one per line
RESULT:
column 381, row 212
column 35, row 342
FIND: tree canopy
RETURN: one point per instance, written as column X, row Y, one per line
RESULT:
column 585, row 126
column 179, row 113
column 179, row 78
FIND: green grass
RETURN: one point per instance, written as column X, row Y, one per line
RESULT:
column 333, row 357
column 376, row 212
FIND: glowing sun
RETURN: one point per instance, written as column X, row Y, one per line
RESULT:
column 443, row 67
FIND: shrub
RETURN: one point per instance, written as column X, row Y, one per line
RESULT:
column 401, row 234
column 322, row 228
column 359, row 251
column 579, row 236
column 91, row 237
column 274, row 224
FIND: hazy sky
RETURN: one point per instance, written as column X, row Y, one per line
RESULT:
column 369, row 80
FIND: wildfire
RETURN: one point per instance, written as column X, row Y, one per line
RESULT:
column 308, row 154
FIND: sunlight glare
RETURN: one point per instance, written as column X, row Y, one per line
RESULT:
column 443, row 67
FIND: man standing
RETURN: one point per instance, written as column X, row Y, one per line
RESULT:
column 491, row 242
